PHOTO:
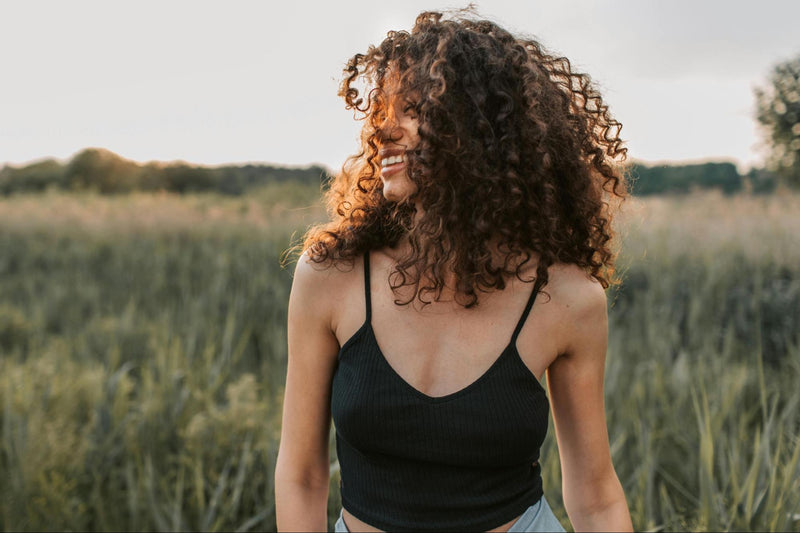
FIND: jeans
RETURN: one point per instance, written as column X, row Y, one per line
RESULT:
column 537, row 517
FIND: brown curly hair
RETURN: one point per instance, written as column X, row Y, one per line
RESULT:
column 516, row 150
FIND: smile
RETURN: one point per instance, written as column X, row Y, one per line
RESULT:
column 392, row 163
column 392, row 160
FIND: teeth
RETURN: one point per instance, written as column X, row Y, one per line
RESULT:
column 392, row 160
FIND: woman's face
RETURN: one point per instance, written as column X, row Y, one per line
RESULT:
column 398, row 132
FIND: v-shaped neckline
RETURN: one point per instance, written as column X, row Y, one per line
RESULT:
column 449, row 396
column 366, row 327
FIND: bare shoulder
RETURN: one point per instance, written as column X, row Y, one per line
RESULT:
column 576, row 292
column 578, row 305
column 325, row 274
column 318, row 288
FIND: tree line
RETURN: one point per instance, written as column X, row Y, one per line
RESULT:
column 679, row 179
column 99, row 170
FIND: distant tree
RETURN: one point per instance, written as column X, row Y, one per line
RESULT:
column 101, row 170
column 35, row 177
column 778, row 111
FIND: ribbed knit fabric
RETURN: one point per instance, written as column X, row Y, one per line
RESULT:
column 467, row 461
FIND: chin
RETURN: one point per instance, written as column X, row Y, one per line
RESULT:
column 394, row 195
column 398, row 190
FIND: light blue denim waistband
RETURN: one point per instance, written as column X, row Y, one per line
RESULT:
column 537, row 517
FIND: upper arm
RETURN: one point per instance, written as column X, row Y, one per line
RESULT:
column 575, row 384
column 313, row 349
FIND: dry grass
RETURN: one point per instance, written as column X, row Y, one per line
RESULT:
column 264, row 210
column 705, row 224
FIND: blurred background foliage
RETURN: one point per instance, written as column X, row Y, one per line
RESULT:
column 778, row 113
column 100, row 170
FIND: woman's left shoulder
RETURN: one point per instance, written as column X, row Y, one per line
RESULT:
column 575, row 293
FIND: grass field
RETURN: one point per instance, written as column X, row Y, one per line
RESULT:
column 143, row 348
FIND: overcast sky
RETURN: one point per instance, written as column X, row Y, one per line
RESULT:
column 233, row 82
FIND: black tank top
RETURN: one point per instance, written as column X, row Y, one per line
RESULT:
column 467, row 461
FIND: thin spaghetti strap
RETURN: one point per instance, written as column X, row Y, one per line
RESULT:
column 536, row 286
column 366, row 286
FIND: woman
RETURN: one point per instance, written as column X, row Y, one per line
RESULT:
column 467, row 256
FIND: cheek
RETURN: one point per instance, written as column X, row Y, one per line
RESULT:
column 414, row 135
column 410, row 128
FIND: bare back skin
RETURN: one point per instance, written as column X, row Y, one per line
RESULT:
column 443, row 347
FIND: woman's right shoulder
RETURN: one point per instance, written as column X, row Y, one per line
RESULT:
column 325, row 285
column 327, row 274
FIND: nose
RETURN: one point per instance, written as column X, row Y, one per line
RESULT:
column 388, row 129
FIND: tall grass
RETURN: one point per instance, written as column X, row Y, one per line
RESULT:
column 703, row 364
column 142, row 358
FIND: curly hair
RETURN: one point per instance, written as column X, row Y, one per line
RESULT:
column 515, row 151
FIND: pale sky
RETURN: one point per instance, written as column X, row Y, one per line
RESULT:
column 235, row 82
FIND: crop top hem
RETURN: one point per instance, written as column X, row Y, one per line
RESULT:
column 513, row 512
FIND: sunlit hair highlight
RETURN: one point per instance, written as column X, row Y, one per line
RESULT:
column 517, row 153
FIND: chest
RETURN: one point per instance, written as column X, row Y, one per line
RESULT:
column 498, row 419
column 439, row 355
column 441, row 349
